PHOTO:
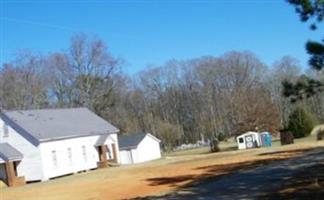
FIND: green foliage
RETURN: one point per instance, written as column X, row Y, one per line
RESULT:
column 308, row 10
column 316, row 50
column 303, row 88
column 221, row 136
column 301, row 122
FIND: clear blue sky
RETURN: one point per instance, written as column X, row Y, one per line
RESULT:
column 152, row 32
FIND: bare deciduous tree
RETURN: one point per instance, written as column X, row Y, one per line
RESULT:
column 207, row 98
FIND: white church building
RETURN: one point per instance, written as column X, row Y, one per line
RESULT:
column 36, row 145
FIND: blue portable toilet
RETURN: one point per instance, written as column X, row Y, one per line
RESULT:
column 266, row 139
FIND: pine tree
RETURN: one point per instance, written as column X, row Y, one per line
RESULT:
column 308, row 10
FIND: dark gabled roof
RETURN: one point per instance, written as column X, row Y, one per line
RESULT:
column 54, row 124
column 130, row 141
column 9, row 153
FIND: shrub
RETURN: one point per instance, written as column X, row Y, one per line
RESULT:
column 168, row 133
column 320, row 135
column 214, row 145
column 301, row 122
column 221, row 137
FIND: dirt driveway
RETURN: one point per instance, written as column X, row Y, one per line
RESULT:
column 257, row 183
column 159, row 177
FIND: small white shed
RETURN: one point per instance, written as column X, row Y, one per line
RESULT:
column 138, row 148
column 248, row 140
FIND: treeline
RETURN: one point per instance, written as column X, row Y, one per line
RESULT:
column 179, row 102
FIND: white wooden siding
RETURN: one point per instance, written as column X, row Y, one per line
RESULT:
column 63, row 162
column 129, row 156
column 126, row 157
column 31, row 165
column 148, row 149
column 78, row 162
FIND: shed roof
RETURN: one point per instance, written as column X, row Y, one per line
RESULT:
column 249, row 133
column 132, row 141
column 54, row 124
column 9, row 153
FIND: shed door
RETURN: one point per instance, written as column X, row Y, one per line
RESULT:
column 249, row 141
column 129, row 156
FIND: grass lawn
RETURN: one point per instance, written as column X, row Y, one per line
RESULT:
column 157, row 177
column 231, row 145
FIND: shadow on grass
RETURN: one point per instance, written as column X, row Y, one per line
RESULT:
column 238, row 180
column 172, row 181
column 287, row 152
column 306, row 184
column 208, row 171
